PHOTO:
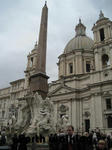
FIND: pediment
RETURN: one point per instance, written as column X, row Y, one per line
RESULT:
column 61, row 90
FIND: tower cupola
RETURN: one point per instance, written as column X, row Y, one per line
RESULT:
column 102, row 30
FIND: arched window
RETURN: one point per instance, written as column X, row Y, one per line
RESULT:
column 102, row 35
column 31, row 63
column 109, row 121
column 105, row 60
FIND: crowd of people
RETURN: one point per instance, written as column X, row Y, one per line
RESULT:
column 20, row 141
column 63, row 140
column 71, row 140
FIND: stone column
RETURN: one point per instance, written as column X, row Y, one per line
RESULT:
column 55, row 112
column 106, row 33
column 95, row 36
column 74, row 114
column 110, row 47
column 28, row 63
column 98, row 61
column 98, row 36
column 35, row 59
column 98, row 111
column 78, row 63
column 93, row 113
column 81, row 114
column 63, row 66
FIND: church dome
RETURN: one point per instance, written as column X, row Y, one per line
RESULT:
column 80, row 41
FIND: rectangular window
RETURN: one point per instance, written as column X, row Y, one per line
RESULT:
column 109, row 121
column 87, row 66
column 108, row 103
column 3, row 113
column 102, row 36
column 87, row 125
column 70, row 68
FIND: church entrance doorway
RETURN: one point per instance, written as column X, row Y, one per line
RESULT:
column 87, row 125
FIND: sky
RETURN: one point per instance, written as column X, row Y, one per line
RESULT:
column 19, row 30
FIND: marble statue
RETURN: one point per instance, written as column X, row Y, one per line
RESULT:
column 41, row 115
column 63, row 117
column 65, row 121
column 45, row 121
column 12, row 120
column 23, row 116
column 37, row 116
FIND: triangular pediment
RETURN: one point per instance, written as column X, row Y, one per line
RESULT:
column 62, row 89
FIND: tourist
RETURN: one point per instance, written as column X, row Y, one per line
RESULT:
column 14, row 145
column 22, row 142
column 3, row 139
column 70, row 140
column 0, row 139
column 86, row 142
column 51, row 142
column 101, row 145
column 95, row 139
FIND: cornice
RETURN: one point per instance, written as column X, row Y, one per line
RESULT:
column 4, row 96
column 100, row 83
column 102, row 44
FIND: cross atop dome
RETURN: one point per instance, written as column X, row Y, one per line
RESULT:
column 36, row 45
column 79, row 20
column 101, row 15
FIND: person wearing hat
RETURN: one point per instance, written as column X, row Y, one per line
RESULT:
column 101, row 145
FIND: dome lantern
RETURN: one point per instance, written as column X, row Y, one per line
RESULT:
column 101, row 15
column 80, row 29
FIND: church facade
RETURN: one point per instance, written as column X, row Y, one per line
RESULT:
column 82, row 95
column 84, row 88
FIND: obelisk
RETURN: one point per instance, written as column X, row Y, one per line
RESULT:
column 39, row 80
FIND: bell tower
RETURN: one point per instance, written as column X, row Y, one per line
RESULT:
column 102, row 31
column 36, row 67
